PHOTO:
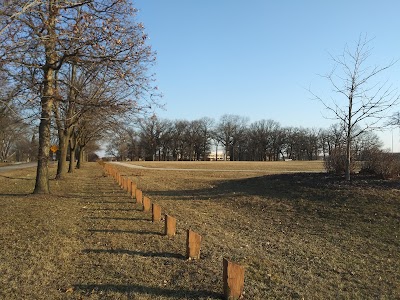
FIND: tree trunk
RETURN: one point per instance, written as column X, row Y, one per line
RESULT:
column 348, row 158
column 80, row 157
column 47, row 99
column 42, row 174
column 71, row 160
column 348, row 134
column 62, row 161
column 72, row 148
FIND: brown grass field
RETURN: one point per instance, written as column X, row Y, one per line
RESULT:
column 299, row 235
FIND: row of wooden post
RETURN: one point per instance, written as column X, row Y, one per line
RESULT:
column 233, row 274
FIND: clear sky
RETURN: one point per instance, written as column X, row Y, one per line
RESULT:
column 257, row 58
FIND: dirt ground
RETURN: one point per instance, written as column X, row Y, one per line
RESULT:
column 298, row 235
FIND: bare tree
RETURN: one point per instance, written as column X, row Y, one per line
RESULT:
column 230, row 133
column 39, row 41
column 363, row 100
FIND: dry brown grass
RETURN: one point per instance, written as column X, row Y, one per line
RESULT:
column 4, row 164
column 299, row 235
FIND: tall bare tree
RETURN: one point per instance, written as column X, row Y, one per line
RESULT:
column 230, row 132
column 362, row 99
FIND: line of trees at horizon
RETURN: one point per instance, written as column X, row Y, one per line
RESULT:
column 264, row 140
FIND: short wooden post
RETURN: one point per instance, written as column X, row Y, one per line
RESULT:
column 146, row 204
column 123, row 182
column 156, row 213
column 170, row 226
column 233, row 278
column 193, row 242
column 133, row 190
column 139, row 196
column 129, row 186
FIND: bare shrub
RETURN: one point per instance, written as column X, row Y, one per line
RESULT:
column 336, row 162
column 381, row 163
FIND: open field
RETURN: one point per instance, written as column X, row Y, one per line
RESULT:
column 273, row 167
column 298, row 235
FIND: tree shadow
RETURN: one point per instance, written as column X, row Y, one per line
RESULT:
column 140, row 289
column 119, row 218
column 110, row 202
column 124, row 231
column 113, row 209
column 138, row 253
column 316, row 186
column 15, row 195
column 18, row 178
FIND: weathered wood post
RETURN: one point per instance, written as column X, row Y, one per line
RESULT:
column 146, row 204
column 129, row 186
column 193, row 241
column 233, row 278
column 139, row 196
column 133, row 190
column 119, row 179
column 156, row 213
column 126, row 183
column 170, row 226
column 123, row 183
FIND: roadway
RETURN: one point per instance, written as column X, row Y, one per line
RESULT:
column 17, row 166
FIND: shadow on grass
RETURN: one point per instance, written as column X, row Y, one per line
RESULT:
column 140, row 289
column 82, row 196
column 18, row 178
column 111, row 202
column 138, row 253
column 112, row 209
column 124, row 231
column 119, row 219
column 16, row 195
column 318, row 187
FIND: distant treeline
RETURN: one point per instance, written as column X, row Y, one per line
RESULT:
column 232, row 137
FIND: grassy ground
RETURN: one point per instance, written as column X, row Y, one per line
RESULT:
column 298, row 235
column 4, row 164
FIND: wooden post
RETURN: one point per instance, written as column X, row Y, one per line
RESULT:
column 233, row 278
column 125, row 187
column 139, row 196
column 156, row 213
column 129, row 186
column 146, row 204
column 133, row 190
column 193, row 242
column 170, row 226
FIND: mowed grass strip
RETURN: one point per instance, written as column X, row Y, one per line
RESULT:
column 298, row 236
column 88, row 240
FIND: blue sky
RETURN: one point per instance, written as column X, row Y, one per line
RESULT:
column 257, row 58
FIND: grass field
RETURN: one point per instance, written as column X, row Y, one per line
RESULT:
column 299, row 235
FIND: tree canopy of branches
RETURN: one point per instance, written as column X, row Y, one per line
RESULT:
column 68, row 55
column 363, row 101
